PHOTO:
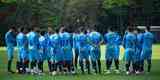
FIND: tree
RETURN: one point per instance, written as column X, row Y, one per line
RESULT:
column 81, row 12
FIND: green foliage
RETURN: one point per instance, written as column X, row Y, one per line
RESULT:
column 8, row 1
column 109, row 4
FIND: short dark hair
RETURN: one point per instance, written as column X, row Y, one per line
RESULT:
column 12, row 27
column 148, row 28
column 22, row 29
column 43, row 32
column 111, row 28
column 130, row 29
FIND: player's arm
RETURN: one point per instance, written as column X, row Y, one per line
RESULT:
column 101, row 40
column 124, row 41
column 105, row 39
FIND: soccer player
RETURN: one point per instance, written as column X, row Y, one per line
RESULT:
column 76, row 48
column 129, row 44
column 22, row 51
column 57, row 54
column 84, row 51
column 66, row 45
column 139, row 35
column 48, row 49
column 33, row 42
column 96, row 40
column 111, row 42
column 41, row 53
column 147, row 41
column 10, row 40
column 118, row 42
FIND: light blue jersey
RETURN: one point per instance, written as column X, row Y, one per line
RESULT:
column 130, row 46
column 138, row 46
column 22, row 47
column 84, row 48
column 33, row 43
column 66, row 45
column 95, row 38
column 147, row 42
column 118, row 42
column 48, row 46
column 10, row 42
column 110, row 40
column 42, row 48
column 56, row 51
column 75, row 41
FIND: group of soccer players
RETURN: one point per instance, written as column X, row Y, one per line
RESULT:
column 64, row 50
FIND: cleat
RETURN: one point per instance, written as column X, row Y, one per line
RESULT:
column 127, row 73
column 108, row 72
column 137, row 72
column 94, row 73
column 73, row 72
column 54, row 73
column 27, row 70
column 117, row 71
column 17, row 71
column 12, row 72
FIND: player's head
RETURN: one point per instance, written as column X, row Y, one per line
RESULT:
column 36, row 29
column 42, row 32
column 139, row 30
column 110, row 29
column 82, row 30
column 147, row 28
column 130, row 29
column 136, row 30
column 63, row 29
column 56, row 30
column 29, row 29
column 12, row 28
column 22, row 29
column 50, row 30
column 88, row 30
column 93, row 29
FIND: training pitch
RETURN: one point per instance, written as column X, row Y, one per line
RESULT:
column 154, row 75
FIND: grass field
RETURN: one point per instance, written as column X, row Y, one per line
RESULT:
column 154, row 75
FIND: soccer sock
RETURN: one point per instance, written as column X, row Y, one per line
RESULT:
column 60, row 66
column 117, row 64
column 88, row 66
column 22, row 66
column 50, row 66
column 149, row 65
column 76, row 60
column 127, row 66
column 142, row 65
column 9, row 65
column 99, row 66
column 69, row 67
column 134, row 66
column 17, row 65
column 40, row 65
column 26, row 65
column 54, row 67
column 109, row 63
column 137, row 66
column 32, row 65
column 94, row 66
column 81, row 65
column 72, row 67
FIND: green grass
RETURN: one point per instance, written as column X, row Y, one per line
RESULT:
column 154, row 75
